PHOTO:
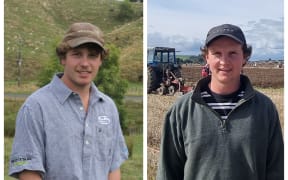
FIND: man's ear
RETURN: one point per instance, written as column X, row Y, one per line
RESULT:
column 101, row 62
column 205, row 58
column 244, row 62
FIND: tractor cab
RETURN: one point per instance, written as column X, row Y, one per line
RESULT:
column 161, row 55
column 163, row 70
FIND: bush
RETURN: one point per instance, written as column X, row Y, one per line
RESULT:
column 126, row 11
column 10, row 113
column 108, row 80
column 130, row 143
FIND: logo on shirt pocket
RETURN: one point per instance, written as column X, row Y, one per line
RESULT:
column 104, row 120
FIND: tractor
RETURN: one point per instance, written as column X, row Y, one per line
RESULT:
column 164, row 72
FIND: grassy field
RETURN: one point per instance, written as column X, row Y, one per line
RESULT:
column 35, row 27
column 132, row 169
column 7, row 150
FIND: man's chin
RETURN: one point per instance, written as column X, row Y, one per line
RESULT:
column 83, row 81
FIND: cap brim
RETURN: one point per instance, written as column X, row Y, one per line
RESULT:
column 83, row 40
column 208, row 41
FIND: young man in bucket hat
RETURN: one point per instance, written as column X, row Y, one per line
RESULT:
column 69, row 129
column 224, row 129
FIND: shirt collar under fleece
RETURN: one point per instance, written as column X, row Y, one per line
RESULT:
column 62, row 92
column 249, row 91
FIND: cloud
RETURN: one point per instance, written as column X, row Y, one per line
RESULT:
column 183, row 24
column 181, row 43
column 266, row 36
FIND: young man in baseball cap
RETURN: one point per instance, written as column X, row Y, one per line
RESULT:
column 69, row 129
column 224, row 129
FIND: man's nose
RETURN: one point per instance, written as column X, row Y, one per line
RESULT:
column 225, row 59
column 84, row 61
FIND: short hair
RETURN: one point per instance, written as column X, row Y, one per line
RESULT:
column 247, row 51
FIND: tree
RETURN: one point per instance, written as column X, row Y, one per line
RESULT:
column 108, row 81
column 51, row 67
column 125, row 11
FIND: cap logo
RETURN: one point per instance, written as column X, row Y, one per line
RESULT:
column 223, row 30
column 228, row 30
column 85, row 31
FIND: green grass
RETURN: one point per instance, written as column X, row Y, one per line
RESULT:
column 8, row 146
column 11, row 108
column 134, row 117
column 133, row 167
column 135, row 89
column 26, row 87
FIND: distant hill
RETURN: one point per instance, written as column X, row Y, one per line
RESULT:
column 35, row 27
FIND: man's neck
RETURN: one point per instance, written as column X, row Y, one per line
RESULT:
column 223, row 89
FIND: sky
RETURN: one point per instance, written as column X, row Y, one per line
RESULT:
column 183, row 24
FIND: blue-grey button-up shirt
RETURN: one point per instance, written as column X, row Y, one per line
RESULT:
column 55, row 136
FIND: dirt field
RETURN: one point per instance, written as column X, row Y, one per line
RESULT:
column 260, row 76
column 268, row 80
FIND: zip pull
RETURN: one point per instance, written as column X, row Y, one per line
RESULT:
column 223, row 125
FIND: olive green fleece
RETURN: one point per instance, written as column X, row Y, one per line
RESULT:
column 196, row 145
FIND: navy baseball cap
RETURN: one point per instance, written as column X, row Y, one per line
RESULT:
column 228, row 30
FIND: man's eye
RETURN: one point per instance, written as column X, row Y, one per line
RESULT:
column 76, row 54
column 94, row 55
column 217, row 54
column 233, row 54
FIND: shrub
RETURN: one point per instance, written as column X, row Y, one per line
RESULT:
column 126, row 11
column 10, row 112
column 130, row 144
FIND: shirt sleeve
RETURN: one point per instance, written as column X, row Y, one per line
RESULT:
column 120, row 152
column 28, row 144
column 275, row 153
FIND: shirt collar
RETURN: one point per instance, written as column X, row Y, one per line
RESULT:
column 96, row 94
column 62, row 92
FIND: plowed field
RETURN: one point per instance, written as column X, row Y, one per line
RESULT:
column 260, row 77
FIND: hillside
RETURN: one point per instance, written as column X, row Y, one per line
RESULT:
column 34, row 27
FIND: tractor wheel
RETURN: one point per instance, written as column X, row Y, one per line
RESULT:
column 162, row 90
column 152, row 81
column 171, row 90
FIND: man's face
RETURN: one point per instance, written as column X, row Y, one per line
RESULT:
column 81, row 66
column 225, row 58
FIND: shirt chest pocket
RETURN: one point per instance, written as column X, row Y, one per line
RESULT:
column 103, row 142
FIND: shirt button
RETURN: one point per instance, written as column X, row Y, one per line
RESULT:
column 87, row 142
column 87, row 125
column 81, row 108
